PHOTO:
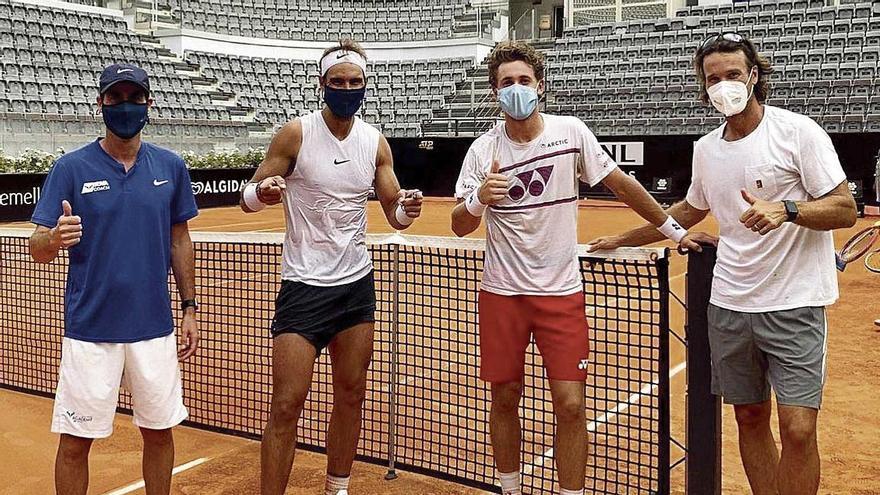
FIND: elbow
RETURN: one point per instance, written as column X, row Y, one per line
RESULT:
column 458, row 231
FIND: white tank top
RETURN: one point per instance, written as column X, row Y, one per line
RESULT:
column 326, row 201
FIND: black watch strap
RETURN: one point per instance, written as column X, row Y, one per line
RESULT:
column 188, row 303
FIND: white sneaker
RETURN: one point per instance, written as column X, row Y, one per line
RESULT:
column 342, row 492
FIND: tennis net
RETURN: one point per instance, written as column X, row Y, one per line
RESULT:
column 426, row 410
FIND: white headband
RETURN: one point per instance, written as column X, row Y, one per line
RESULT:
column 342, row 57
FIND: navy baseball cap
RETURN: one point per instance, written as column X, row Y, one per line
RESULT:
column 123, row 72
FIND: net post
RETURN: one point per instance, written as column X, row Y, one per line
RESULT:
column 395, row 320
column 703, row 468
column 663, row 367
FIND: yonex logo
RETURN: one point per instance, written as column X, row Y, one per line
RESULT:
column 90, row 187
column 158, row 183
column 534, row 184
column 120, row 71
column 340, row 162
column 583, row 364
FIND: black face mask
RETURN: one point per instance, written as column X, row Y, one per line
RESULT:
column 344, row 102
column 125, row 119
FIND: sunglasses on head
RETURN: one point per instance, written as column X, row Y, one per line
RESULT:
column 715, row 38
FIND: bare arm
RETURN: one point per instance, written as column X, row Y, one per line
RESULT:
column 463, row 223
column 628, row 190
column 183, row 261
column 493, row 190
column 44, row 246
column 835, row 210
column 389, row 192
column 683, row 212
column 278, row 163
column 45, row 243
column 183, row 268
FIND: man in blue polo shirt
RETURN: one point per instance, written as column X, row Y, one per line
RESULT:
column 120, row 207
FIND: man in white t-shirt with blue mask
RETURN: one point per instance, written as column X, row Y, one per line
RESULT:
column 773, row 181
column 523, row 176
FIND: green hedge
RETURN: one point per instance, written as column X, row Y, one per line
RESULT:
column 34, row 161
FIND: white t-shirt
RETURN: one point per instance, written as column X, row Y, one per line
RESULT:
column 532, row 234
column 788, row 156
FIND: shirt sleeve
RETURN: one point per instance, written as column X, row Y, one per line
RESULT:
column 470, row 177
column 183, row 206
column 696, row 195
column 57, row 187
column 594, row 164
column 817, row 160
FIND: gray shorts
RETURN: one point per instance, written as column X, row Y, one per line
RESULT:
column 753, row 351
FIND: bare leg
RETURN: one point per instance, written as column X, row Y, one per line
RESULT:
column 756, row 446
column 799, row 468
column 72, row 465
column 504, row 427
column 158, row 460
column 571, row 432
column 350, row 353
column 294, row 361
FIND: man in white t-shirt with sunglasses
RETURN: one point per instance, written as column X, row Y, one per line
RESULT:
column 774, row 183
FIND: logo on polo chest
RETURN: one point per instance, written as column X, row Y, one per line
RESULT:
column 99, row 185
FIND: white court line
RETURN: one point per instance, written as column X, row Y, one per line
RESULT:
column 140, row 484
column 609, row 415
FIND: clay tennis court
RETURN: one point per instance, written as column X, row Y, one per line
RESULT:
column 218, row 463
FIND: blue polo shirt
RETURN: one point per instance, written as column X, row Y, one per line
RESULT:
column 117, row 282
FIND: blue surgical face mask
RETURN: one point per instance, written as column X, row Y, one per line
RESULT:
column 518, row 101
column 344, row 102
column 125, row 119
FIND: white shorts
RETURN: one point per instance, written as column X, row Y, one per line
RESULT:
column 89, row 379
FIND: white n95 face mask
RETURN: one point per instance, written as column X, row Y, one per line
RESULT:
column 730, row 97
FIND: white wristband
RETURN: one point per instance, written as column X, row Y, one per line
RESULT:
column 402, row 217
column 251, row 200
column 672, row 229
column 473, row 204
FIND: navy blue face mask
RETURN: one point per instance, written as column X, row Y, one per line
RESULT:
column 344, row 102
column 125, row 119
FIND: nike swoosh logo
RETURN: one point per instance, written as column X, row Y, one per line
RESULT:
column 120, row 71
column 342, row 55
column 337, row 162
column 158, row 183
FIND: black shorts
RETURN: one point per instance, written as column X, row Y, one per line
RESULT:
column 319, row 313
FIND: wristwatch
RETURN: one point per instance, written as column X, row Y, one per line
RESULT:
column 791, row 210
column 189, row 303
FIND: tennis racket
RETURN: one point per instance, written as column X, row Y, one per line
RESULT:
column 857, row 246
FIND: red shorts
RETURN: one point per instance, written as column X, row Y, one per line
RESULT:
column 559, row 324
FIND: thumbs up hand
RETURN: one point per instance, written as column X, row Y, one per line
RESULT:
column 494, row 187
column 762, row 216
column 68, row 231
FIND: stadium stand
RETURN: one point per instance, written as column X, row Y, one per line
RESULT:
column 403, row 93
column 324, row 20
column 637, row 78
column 627, row 78
column 51, row 59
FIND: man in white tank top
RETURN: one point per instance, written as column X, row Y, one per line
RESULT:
column 523, row 177
column 322, row 167
column 774, row 182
